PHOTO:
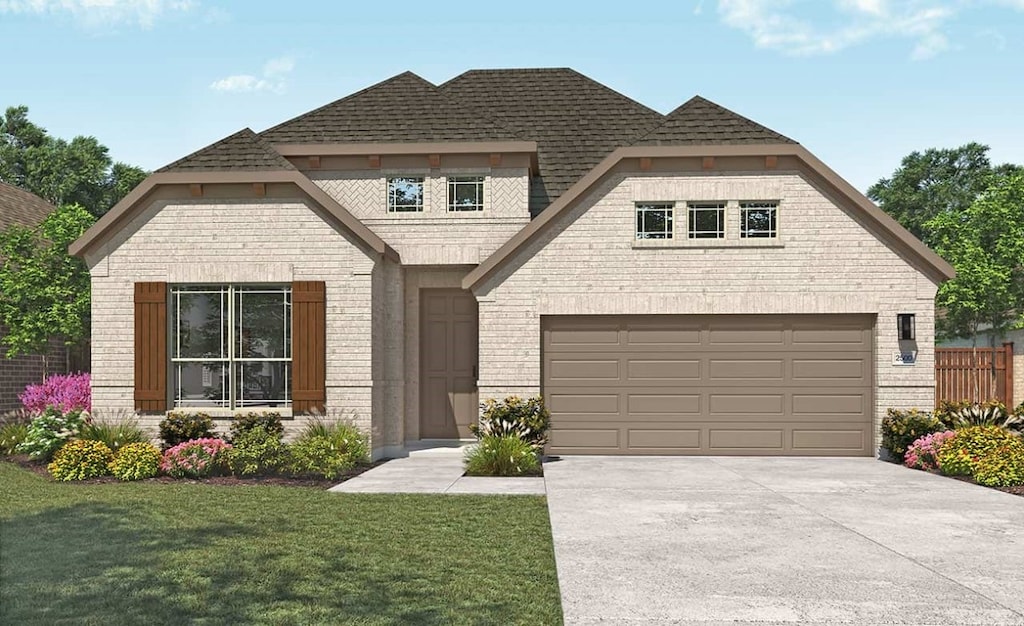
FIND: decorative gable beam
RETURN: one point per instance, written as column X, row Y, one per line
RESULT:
column 195, row 190
column 314, row 162
column 259, row 189
column 374, row 161
column 708, row 163
column 771, row 162
column 495, row 159
column 434, row 160
column 645, row 163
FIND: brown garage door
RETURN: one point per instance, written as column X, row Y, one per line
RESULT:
column 715, row 384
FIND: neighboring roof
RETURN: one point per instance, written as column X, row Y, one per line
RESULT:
column 847, row 196
column 404, row 108
column 244, row 151
column 576, row 121
column 21, row 207
column 700, row 121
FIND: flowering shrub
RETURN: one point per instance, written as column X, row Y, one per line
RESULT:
column 1002, row 467
column 51, row 430
column 959, row 455
column 257, row 450
column 136, row 461
column 64, row 391
column 81, row 459
column 180, row 427
column 196, row 458
column 924, row 452
column 902, row 428
column 527, row 419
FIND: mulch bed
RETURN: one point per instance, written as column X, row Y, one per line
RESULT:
column 314, row 482
column 1017, row 491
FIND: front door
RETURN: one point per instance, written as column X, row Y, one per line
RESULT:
column 448, row 363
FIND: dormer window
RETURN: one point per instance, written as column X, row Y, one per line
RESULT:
column 405, row 194
column 465, row 193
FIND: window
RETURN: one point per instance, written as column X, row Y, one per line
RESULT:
column 465, row 193
column 231, row 346
column 654, row 221
column 405, row 195
column 757, row 219
column 706, row 220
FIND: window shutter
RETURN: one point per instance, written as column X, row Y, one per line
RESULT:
column 309, row 346
column 151, row 347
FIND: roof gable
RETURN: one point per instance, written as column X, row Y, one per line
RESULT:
column 21, row 207
column 404, row 108
column 700, row 121
column 242, row 151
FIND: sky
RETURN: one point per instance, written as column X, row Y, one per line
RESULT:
column 860, row 83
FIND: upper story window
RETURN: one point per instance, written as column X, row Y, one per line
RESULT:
column 706, row 220
column 405, row 194
column 758, row 219
column 231, row 346
column 654, row 220
column 465, row 193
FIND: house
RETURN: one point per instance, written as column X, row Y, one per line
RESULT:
column 21, row 208
column 690, row 283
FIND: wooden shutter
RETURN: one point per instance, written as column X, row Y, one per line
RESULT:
column 309, row 346
column 151, row 347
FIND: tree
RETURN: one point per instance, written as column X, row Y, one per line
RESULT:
column 44, row 292
column 79, row 171
column 936, row 182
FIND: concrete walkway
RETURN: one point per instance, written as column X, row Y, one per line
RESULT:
column 781, row 541
column 434, row 470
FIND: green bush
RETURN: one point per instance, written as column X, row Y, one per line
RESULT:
column 81, row 459
column 268, row 421
column 135, row 461
column 11, row 436
column 257, row 450
column 328, row 449
column 963, row 414
column 51, row 430
column 902, row 428
column 502, row 456
column 958, row 456
column 180, row 427
column 1002, row 467
column 527, row 419
column 114, row 434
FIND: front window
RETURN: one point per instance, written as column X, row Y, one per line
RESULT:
column 654, row 221
column 465, row 193
column 405, row 194
column 706, row 220
column 757, row 219
column 231, row 346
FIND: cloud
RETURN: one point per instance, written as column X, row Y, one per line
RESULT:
column 275, row 71
column 805, row 28
column 101, row 13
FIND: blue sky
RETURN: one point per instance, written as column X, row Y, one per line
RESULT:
column 859, row 82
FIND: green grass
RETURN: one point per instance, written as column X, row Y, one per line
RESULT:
column 152, row 553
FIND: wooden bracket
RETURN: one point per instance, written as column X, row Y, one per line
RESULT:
column 374, row 161
column 314, row 162
column 771, row 162
column 708, row 163
column 260, row 189
column 434, row 160
column 645, row 163
column 495, row 159
column 195, row 190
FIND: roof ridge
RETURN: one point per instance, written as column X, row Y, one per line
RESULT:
column 680, row 111
column 248, row 135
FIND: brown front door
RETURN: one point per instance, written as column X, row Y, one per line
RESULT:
column 448, row 363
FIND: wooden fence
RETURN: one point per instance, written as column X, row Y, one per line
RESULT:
column 957, row 371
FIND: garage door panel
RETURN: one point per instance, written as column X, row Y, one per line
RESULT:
column 829, row 404
column 722, row 439
column 583, row 403
column 831, row 369
column 745, row 369
column 663, row 404
column 641, row 370
column 808, row 440
column 645, row 337
column 723, row 404
column 568, row 440
column 572, row 371
column 733, row 336
column 682, row 440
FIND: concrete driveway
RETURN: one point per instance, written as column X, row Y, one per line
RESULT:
column 781, row 541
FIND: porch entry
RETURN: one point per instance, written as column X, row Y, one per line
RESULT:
column 448, row 363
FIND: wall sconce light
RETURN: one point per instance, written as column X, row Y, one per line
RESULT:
column 905, row 327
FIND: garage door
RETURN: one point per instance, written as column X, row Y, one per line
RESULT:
column 717, row 384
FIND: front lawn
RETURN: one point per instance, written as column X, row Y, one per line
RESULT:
column 157, row 553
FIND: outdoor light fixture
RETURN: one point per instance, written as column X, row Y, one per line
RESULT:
column 905, row 326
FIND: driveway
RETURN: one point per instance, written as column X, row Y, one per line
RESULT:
column 701, row 540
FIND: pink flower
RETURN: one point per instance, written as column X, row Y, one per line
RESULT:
column 65, row 391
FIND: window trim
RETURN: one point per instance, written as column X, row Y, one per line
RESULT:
column 453, row 181
column 410, row 208
column 773, row 229
column 695, row 206
column 649, row 207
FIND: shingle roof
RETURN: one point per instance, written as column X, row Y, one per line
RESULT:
column 404, row 108
column 21, row 207
column 700, row 121
column 575, row 120
column 242, row 151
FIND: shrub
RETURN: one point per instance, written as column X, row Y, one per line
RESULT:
column 958, row 455
column 180, row 427
column 527, row 419
column 956, row 415
column 1002, row 467
column 328, row 449
column 114, row 434
column 81, row 459
column 196, row 458
column 67, row 392
column 268, row 421
column 923, row 453
column 501, row 456
column 902, row 428
column 11, row 436
column 257, row 450
column 135, row 461
column 51, row 430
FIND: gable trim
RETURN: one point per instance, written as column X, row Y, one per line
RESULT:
column 926, row 260
column 443, row 147
column 114, row 220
